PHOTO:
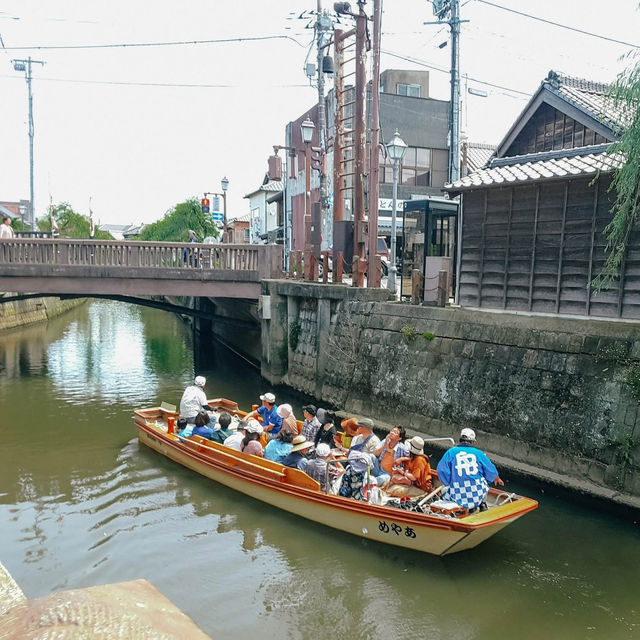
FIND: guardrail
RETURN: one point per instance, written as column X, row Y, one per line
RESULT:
column 266, row 260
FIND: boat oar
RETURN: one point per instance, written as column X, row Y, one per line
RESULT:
column 431, row 495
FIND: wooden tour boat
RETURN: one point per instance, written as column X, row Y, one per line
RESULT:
column 434, row 529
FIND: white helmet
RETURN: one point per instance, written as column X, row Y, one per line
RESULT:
column 200, row 381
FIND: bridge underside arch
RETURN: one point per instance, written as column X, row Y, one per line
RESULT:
column 144, row 302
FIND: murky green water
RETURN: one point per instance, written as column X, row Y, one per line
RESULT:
column 82, row 504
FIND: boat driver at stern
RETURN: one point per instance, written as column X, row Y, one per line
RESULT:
column 194, row 400
column 466, row 472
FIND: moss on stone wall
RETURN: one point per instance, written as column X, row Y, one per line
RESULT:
column 554, row 392
column 24, row 312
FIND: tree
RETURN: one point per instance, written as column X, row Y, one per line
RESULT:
column 625, row 95
column 175, row 225
column 70, row 223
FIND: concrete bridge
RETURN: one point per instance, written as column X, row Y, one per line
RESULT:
column 100, row 267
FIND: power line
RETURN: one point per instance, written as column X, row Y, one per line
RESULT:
column 149, row 44
column 157, row 84
column 557, row 24
column 441, row 70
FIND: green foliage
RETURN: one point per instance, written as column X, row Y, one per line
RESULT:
column 625, row 97
column 283, row 351
column 70, row 223
column 409, row 333
column 428, row 335
column 615, row 352
column 632, row 378
column 17, row 225
column 295, row 329
column 175, row 225
column 625, row 447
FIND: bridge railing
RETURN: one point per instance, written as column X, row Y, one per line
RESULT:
column 266, row 260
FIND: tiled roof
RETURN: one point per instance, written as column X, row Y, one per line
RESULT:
column 591, row 97
column 540, row 166
column 478, row 155
column 5, row 212
column 273, row 186
column 244, row 218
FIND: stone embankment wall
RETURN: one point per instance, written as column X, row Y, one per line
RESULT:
column 23, row 312
column 556, row 398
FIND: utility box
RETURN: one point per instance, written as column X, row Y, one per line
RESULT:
column 430, row 244
column 343, row 241
column 275, row 168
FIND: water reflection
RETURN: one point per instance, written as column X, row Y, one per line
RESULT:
column 79, row 368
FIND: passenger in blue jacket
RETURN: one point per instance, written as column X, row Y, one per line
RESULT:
column 203, row 426
column 467, row 472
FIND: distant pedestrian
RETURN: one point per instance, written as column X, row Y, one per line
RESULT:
column 6, row 230
column 190, row 256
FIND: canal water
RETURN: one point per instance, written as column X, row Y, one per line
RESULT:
column 81, row 504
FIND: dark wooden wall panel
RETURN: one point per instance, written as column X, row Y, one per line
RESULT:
column 550, row 129
column 539, row 250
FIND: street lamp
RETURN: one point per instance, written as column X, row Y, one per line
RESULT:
column 307, row 128
column 25, row 66
column 224, row 183
column 396, row 148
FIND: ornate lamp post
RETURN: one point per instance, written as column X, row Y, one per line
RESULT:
column 396, row 148
column 307, row 129
column 224, row 183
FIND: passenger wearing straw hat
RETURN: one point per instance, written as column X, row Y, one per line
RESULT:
column 297, row 456
column 412, row 472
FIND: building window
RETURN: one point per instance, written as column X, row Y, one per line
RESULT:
column 415, row 169
column 246, row 235
column 411, row 90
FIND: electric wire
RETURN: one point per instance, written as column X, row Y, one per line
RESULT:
column 441, row 70
column 157, row 84
column 131, row 45
column 558, row 24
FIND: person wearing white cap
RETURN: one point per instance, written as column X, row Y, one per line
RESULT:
column 251, row 441
column 317, row 468
column 268, row 413
column 466, row 472
column 194, row 400
column 234, row 441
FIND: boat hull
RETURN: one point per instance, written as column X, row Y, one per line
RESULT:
column 244, row 473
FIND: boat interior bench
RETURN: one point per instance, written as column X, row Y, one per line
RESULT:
column 268, row 468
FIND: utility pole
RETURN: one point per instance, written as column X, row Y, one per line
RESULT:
column 454, row 143
column 442, row 9
column 373, row 268
column 25, row 65
column 323, row 24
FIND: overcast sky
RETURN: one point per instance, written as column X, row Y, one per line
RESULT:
column 139, row 129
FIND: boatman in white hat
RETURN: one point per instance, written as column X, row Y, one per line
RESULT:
column 194, row 400
column 466, row 471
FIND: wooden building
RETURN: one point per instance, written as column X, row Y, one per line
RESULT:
column 532, row 219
